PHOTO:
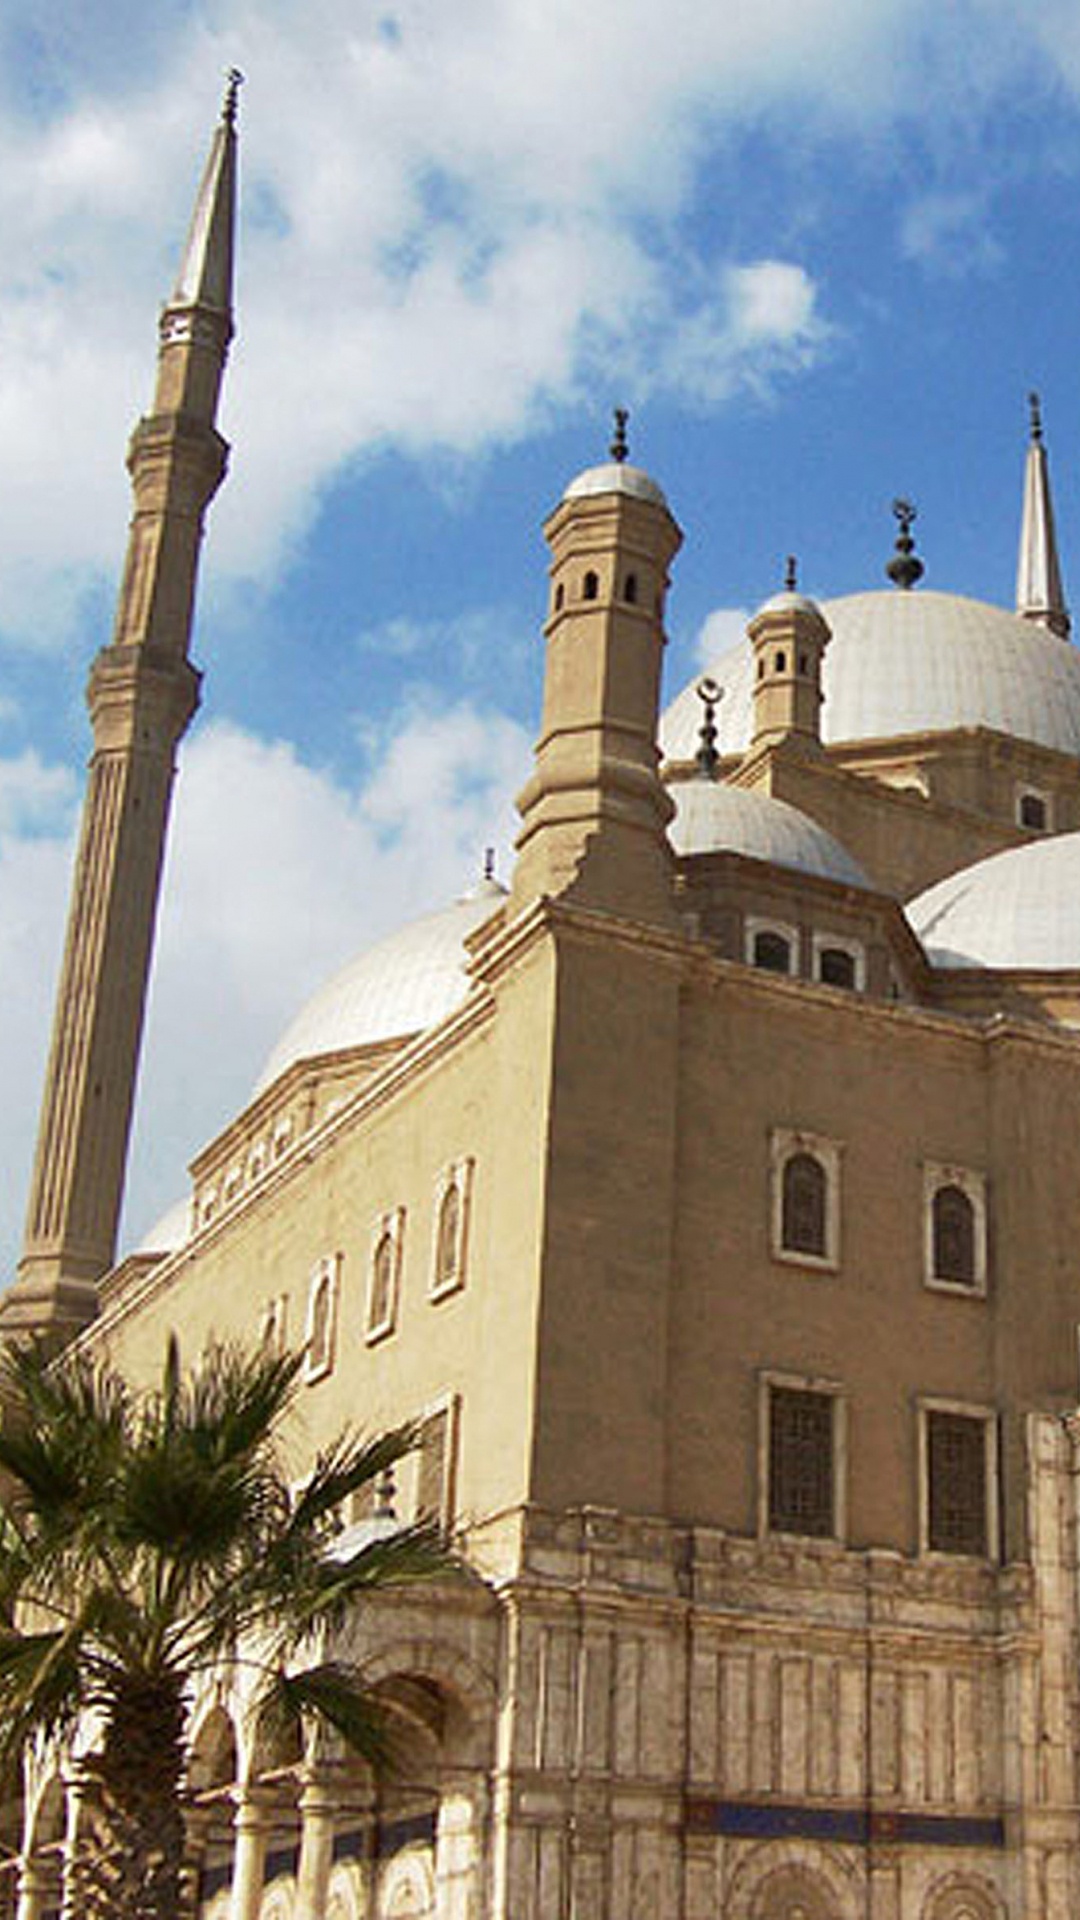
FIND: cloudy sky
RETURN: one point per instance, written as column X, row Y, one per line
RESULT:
column 821, row 249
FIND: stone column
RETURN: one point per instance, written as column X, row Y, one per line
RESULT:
column 461, row 1843
column 318, row 1804
column 251, row 1826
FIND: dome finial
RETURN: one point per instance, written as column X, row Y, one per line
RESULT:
column 489, row 863
column 234, row 80
column 905, row 567
column 706, row 758
column 1035, row 410
column 619, row 445
column 791, row 575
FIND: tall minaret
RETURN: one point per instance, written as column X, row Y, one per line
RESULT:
column 142, row 693
column 1039, row 593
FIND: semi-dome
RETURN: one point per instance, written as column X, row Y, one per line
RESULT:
column 172, row 1231
column 901, row 663
column 395, row 988
column 713, row 818
column 616, row 476
column 1017, row 909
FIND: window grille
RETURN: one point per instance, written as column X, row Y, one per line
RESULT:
column 801, row 1462
column 956, row 1483
column 804, row 1225
column 954, row 1236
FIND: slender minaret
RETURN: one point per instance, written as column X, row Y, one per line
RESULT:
column 1039, row 593
column 142, row 693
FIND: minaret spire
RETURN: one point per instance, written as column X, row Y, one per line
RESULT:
column 1039, row 592
column 141, row 694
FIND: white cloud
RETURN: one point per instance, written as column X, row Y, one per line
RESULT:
column 949, row 232
column 468, row 209
column 724, row 628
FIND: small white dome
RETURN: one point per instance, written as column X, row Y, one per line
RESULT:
column 713, row 818
column 398, row 987
column 171, row 1232
column 788, row 601
column 616, row 477
column 902, row 663
column 1020, row 908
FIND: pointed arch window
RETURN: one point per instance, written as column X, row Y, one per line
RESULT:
column 805, row 1199
column 771, row 945
column 384, row 1276
column 321, row 1319
column 453, row 1194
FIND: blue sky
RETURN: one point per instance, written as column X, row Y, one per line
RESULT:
column 820, row 248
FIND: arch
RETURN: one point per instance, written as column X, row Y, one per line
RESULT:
column 837, row 967
column 383, row 1275
column 214, row 1751
column 590, row 586
column 777, row 1877
column 630, row 590
column 804, row 1206
column 448, row 1237
column 772, row 951
column 953, row 1231
column 963, row 1896
column 560, row 595
column 407, row 1886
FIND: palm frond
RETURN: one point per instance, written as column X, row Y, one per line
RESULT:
column 344, row 1469
column 333, row 1694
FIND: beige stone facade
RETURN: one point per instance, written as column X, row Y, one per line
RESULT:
column 722, row 1229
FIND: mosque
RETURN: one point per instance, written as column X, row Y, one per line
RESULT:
column 709, row 1197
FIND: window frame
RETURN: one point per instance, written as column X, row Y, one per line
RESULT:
column 756, row 924
column 821, row 942
column 989, row 1419
column 455, row 1174
column 389, row 1224
column 784, row 1144
column 974, row 1184
column 323, row 1278
column 771, row 1379
column 1026, row 791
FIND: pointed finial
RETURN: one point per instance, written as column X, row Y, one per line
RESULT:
column 905, row 567
column 619, row 447
column 791, row 574
column 234, row 80
column 489, row 863
column 1035, row 410
column 706, row 758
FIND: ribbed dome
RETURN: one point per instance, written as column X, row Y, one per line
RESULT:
column 1020, row 908
column 712, row 818
column 399, row 986
column 616, row 477
column 917, row 662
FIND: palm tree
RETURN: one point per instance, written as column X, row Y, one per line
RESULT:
column 147, row 1538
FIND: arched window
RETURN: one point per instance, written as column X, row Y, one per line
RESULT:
column 446, row 1244
column 319, row 1345
column 780, row 663
column 954, row 1245
column 1033, row 812
column 836, row 967
column 804, row 1206
column 560, row 593
column 381, row 1303
column 772, row 951
column 590, row 586
column 630, row 589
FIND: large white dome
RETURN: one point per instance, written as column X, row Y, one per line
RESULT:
column 713, row 818
column 397, row 987
column 1020, row 909
column 918, row 662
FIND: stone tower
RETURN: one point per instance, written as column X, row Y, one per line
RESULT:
column 142, row 693
column 594, row 809
column 1039, row 592
column 789, row 635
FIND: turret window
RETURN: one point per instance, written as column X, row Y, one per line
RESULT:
column 780, row 663
column 771, row 945
column 1033, row 810
column 839, row 962
column 805, row 1199
column 630, row 589
column 590, row 586
column 955, row 1236
column 560, row 595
